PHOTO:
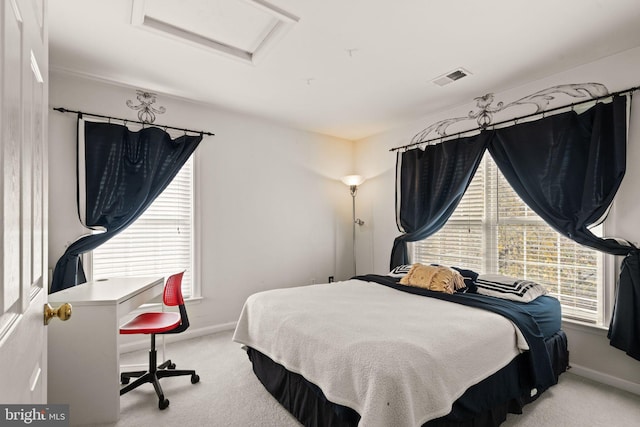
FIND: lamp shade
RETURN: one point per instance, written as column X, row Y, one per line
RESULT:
column 353, row 180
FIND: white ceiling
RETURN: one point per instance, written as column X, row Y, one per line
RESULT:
column 348, row 68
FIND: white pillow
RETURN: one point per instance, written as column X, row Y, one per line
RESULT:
column 511, row 288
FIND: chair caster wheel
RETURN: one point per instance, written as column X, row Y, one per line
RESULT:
column 195, row 378
column 162, row 404
column 124, row 381
column 172, row 366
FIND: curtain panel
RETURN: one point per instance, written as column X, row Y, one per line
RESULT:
column 430, row 184
column 120, row 173
column 567, row 168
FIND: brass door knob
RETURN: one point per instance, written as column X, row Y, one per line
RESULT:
column 63, row 312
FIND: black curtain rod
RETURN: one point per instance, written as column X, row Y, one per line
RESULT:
column 64, row 110
column 515, row 119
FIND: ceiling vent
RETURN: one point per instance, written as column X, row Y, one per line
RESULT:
column 451, row 76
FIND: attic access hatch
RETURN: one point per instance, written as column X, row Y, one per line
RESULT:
column 240, row 29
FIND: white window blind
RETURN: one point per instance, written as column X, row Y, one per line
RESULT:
column 494, row 231
column 159, row 243
column 460, row 242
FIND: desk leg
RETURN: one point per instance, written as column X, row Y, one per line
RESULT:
column 84, row 364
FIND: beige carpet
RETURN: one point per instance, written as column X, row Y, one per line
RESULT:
column 229, row 395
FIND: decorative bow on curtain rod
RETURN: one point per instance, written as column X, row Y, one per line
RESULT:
column 484, row 118
column 165, row 127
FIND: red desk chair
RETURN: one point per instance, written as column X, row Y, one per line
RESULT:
column 159, row 323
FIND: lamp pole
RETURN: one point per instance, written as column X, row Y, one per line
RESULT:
column 356, row 221
column 354, row 189
column 353, row 181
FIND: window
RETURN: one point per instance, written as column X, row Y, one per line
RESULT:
column 160, row 242
column 493, row 231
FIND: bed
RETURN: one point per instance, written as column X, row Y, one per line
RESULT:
column 372, row 352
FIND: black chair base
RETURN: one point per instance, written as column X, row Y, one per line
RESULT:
column 153, row 375
column 126, row 376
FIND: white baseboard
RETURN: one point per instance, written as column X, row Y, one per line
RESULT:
column 605, row 379
column 143, row 344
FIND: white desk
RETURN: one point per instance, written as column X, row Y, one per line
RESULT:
column 84, row 361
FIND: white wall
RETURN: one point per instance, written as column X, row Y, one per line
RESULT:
column 590, row 350
column 270, row 209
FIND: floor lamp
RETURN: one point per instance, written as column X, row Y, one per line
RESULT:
column 353, row 181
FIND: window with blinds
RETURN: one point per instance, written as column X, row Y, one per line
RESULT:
column 493, row 231
column 159, row 243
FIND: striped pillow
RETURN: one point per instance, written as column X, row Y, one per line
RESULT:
column 400, row 271
column 511, row 288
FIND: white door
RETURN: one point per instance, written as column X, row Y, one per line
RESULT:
column 23, row 192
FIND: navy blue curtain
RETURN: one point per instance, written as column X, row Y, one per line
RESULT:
column 124, row 171
column 567, row 168
column 624, row 329
column 431, row 183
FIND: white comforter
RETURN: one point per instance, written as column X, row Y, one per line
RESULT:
column 396, row 358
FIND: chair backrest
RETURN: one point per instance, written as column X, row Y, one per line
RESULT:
column 173, row 290
column 172, row 296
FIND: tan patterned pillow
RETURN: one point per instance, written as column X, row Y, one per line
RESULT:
column 434, row 278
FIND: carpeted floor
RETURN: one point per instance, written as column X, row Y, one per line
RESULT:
column 229, row 395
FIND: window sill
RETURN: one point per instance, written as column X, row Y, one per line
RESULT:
column 577, row 325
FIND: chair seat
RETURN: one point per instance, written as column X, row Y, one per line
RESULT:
column 151, row 323
column 158, row 323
